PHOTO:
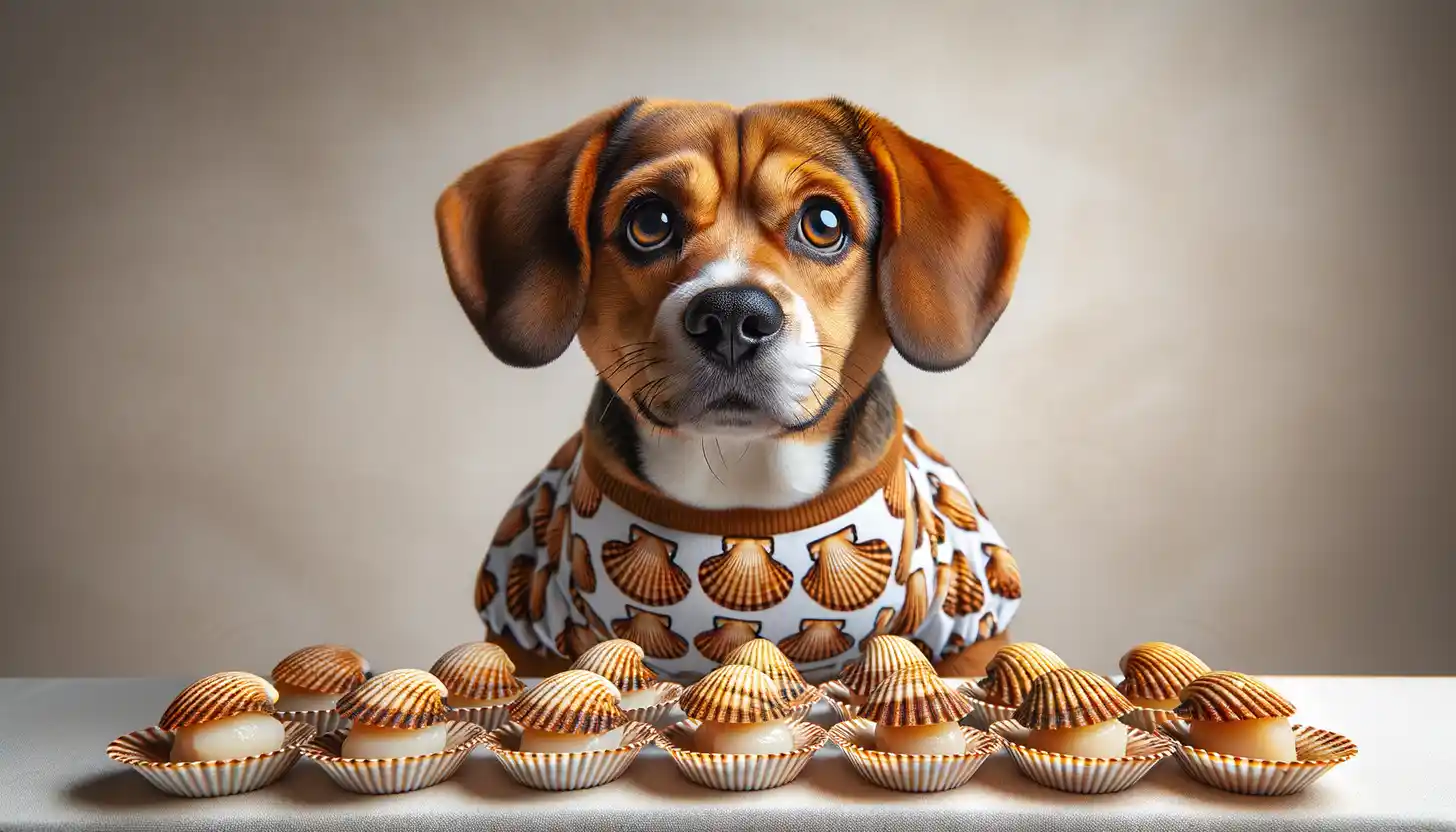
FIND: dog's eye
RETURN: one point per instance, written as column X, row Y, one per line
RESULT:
column 822, row 224
column 650, row 225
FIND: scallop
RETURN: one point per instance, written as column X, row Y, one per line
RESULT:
column 541, row 509
column 557, row 532
column 954, row 503
column 1226, row 696
column 914, row 608
column 477, row 672
column 517, row 520
column 583, row 573
column 965, row 595
column 219, row 696
column 880, row 657
column 619, row 661
column 566, row 454
column 896, row 493
column 322, row 668
column 735, row 694
column 404, row 698
column 882, row 624
column 818, row 639
column 1002, row 575
column 653, row 631
column 1013, row 668
column 518, row 586
column 586, row 497
column 745, row 576
column 764, row 655
column 540, row 585
column 570, row 702
column 485, row 586
column 924, row 445
column 847, row 574
column 1155, row 672
column 643, row 568
column 726, row 636
column 909, row 539
column 575, row 639
column 1069, row 698
column 912, row 696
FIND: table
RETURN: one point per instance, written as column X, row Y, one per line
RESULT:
column 54, row 774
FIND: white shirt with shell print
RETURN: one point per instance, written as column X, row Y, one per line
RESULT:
column 918, row 558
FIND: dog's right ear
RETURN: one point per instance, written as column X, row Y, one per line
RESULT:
column 513, row 232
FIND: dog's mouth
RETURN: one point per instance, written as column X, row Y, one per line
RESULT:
column 732, row 414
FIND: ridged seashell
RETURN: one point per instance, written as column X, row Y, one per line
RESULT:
column 643, row 568
column 540, row 583
column 924, row 445
column 556, row 533
column 511, row 526
column 766, row 656
column 924, row 520
column 1013, row 668
column 914, row 695
column 907, row 455
column 620, row 662
column 477, row 670
column 653, row 631
column 882, row 624
column 818, row 639
column 734, row 693
column 219, row 696
column 897, row 495
column 966, row 594
column 880, row 657
column 954, row 503
column 909, row 539
column 583, row 573
column 566, row 454
column 1070, row 698
column 575, row 639
column 847, row 574
column 586, row 497
column 594, row 622
column 1226, row 696
column 745, row 577
column 1002, row 575
column 1158, row 670
column 923, row 648
column 322, row 668
column 541, row 508
column 485, row 587
column 571, row 702
column 518, row 586
column 396, row 699
column 986, row 627
column 725, row 637
column 914, row 608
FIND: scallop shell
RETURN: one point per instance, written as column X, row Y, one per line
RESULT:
column 511, row 526
column 965, row 594
column 924, row 445
column 764, row 655
column 518, row 586
column 396, row 699
column 566, row 454
column 557, row 532
column 986, row 627
column 620, row 662
column 954, row 503
column 735, row 693
column 1158, row 670
column 847, row 574
column 644, row 570
column 897, row 497
column 540, row 584
column 477, row 670
column 571, row 702
column 653, row 631
column 593, row 621
column 818, row 639
column 745, row 576
column 1226, row 696
column 541, row 508
column 909, row 539
column 1002, row 576
column 219, row 696
column 880, row 657
column 1070, row 698
column 322, row 668
column 914, row 695
column 583, row 573
column 1013, row 668
column 586, row 497
column 575, row 639
column 914, row 608
column 882, row 624
column 485, row 586
column 726, row 636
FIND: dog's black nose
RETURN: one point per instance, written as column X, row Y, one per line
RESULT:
column 729, row 323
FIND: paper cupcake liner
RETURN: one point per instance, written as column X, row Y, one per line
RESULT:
column 490, row 717
column 397, row 774
column 912, row 772
column 1318, row 750
column 652, row 714
column 740, row 772
column 148, row 751
column 324, row 722
column 804, row 705
column 1084, row 775
column 568, row 772
column 837, row 695
column 1147, row 719
column 985, row 714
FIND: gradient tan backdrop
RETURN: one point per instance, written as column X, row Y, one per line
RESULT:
column 242, row 412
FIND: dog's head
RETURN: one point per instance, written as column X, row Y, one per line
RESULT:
column 732, row 271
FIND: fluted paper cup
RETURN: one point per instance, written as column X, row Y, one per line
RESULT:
column 148, row 752
column 1084, row 775
column 1319, row 751
column 563, row 772
column 985, row 714
column 668, row 694
column 394, row 775
column 912, row 772
column 740, row 772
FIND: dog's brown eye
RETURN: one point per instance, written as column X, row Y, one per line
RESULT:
column 822, row 224
column 650, row 225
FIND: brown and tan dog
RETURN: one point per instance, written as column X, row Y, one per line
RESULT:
column 737, row 277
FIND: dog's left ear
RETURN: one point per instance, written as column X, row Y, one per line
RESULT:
column 514, row 235
column 950, row 242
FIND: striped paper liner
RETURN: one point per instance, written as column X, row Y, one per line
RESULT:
column 985, row 714
column 837, row 695
column 1318, row 750
column 147, row 752
column 1147, row 719
column 568, row 771
column 324, row 722
column 740, row 772
column 666, row 701
column 397, row 774
column 912, row 772
column 1084, row 775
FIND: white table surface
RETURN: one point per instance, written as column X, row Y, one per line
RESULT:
column 54, row 774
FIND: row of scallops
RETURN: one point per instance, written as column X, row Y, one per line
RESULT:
column 901, row 725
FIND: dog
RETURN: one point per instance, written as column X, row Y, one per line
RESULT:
column 737, row 277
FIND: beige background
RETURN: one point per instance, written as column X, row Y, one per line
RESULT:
column 241, row 411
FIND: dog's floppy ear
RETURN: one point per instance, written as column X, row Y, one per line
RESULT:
column 950, row 242
column 513, row 231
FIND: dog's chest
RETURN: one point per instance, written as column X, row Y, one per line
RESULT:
column 726, row 473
